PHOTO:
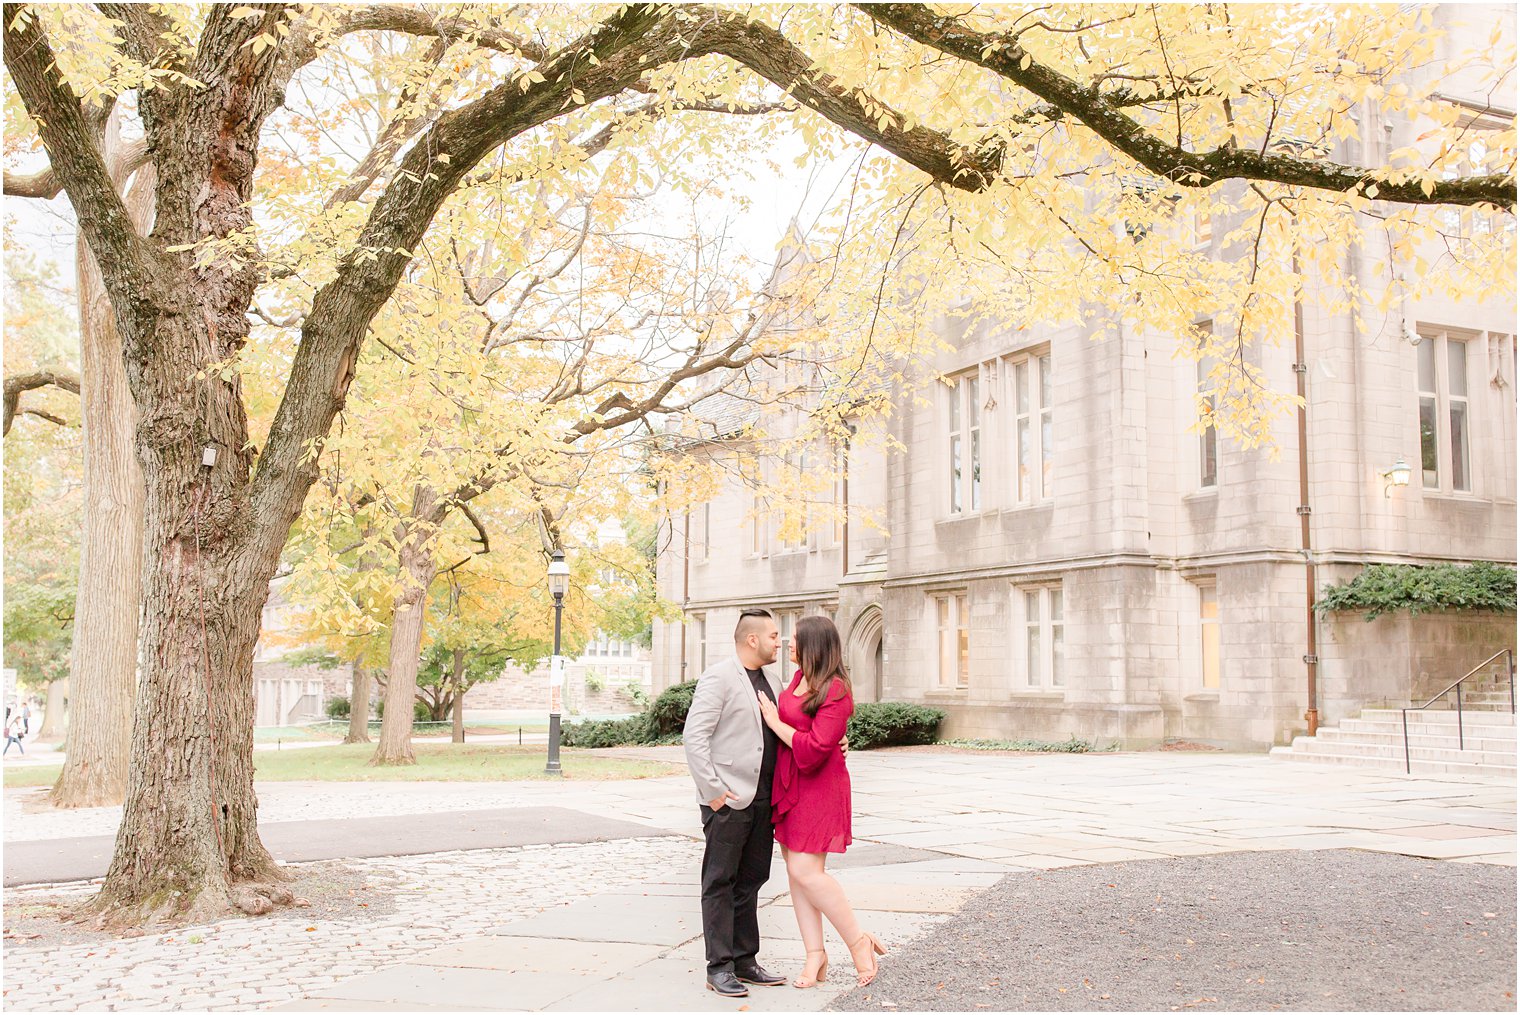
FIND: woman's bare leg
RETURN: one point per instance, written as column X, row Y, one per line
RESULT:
column 806, row 871
column 809, row 918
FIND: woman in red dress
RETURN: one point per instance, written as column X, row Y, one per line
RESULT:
column 810, row 799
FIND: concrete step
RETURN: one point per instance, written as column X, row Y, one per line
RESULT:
column 1503, row 758
column 1332, row 735
column 1472, row 726
column 1505, row 718
column 1417, row 768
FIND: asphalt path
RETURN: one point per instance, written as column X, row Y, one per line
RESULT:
column 79, row 859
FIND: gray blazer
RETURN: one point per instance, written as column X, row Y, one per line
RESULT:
column 724, row 734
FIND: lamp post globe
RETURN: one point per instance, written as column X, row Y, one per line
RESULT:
column 559, row 586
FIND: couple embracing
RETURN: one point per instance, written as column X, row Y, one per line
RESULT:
column 769, row 766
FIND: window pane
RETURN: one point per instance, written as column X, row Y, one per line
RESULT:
column 1024, row 463
column 1427, row 356
column 973, row 401
column 1211, row 655
column 1032, row 607
column 965, row 658
column 1055, row 606
column 1456, row 368
column 955, row 474
column 1209, row 451
column 963, row 630
column 1432, row 478
column 1459, row 477
column 976, row 470
column 1047, row 452
column 1208, row 616
column 955, row 407
column 1035, row 668
column 1208, row 602
column 1021, row 386
column 1057, row 649
column 1044, row 382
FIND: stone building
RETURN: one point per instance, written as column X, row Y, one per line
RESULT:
column 1059, row 553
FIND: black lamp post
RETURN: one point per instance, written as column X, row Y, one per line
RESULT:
column 559, row 585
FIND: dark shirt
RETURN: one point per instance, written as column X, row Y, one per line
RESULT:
column 768, row 758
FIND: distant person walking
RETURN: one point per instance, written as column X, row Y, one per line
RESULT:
column 26, row 719
column 12, row 738
column 811, row 797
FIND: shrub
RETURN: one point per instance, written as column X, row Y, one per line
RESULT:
column 606, row 733
column 891, row 724
column 420, row 711
column 637, row 696
column 337, row 707
column 667, row 715
column 594, row 682
column 1388, row 588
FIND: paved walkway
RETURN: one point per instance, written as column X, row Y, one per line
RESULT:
column 616, row 926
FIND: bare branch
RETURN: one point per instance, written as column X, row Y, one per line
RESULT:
column 14, row 386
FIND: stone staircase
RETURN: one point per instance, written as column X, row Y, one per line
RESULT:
column 1375, row 739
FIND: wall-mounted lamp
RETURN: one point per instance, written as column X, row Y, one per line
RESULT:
column 1396, row 476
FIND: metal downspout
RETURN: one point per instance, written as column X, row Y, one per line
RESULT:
column 1301, row 368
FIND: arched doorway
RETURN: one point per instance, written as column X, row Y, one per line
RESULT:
column 865, row 655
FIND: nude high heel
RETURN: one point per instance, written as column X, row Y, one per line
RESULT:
column 805, row 981
column 864, row 976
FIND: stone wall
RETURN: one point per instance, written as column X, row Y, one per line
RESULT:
column 1398, row 659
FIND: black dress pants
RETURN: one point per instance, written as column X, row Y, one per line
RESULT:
column 736, row 862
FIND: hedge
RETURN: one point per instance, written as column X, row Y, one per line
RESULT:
column 874, row 724
column 1389, row 588
column 891, row 724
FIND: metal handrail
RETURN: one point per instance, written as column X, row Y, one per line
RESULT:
column 1509, row 670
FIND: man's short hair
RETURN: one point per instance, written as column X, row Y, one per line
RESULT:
column 750, row 622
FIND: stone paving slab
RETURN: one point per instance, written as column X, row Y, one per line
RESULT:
column 632, row 919
column 409, row 982
column 538, row 955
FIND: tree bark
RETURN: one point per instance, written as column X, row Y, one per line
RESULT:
column 358, row 707
column 418, row 568
column 459, row 689
column 103, row 657
column 54, row 722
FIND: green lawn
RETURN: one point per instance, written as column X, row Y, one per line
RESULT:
column 329, row 731
column 435, row 763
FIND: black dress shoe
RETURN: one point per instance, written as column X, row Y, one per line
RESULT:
column 757, row 974
column 726, row 984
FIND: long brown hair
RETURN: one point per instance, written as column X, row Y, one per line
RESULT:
column 821, row 657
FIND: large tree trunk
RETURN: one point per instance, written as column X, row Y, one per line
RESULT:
column 358, row 707
column 53, row 723
column 418, row 569
column 103, row 658
column 459, row 690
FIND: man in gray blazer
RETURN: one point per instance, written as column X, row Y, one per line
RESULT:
column 732, row 757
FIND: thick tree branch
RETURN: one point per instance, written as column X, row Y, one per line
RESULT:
column 771, row 54
column 15, row 386
column 45, row 184
column 1003, row 55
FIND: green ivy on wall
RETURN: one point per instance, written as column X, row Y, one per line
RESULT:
column 1389, row 588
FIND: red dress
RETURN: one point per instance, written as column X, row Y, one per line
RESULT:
column 810, row 799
